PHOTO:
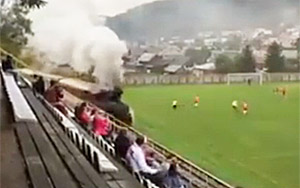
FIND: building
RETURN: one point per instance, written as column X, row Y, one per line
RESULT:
column 177, row 64
column 151, row 62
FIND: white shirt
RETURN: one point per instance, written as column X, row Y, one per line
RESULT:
column 174, row 103
column 137, row 161
column 235, row 103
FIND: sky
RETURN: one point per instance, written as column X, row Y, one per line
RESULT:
column 105, row 7
column 114, row 7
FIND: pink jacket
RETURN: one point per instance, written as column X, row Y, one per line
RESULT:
column 100, row 125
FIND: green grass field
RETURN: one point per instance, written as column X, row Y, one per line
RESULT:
column 259, row 150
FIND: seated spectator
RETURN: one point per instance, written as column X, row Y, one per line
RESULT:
column 59, row 98
column 122, row 143
column 84, row 116
column 76, row 111
column 50, row 93
column 7, row 64
column 100, row 124
column 136, row 158
column 54, row 95
column 137, row 161
column 79, row 109
column 172, row 179
column 165, row 165
column 39, row 85
column 151, row 160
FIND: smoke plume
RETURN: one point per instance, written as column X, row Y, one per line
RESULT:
column 73, row 32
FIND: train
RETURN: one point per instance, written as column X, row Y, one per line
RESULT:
column 108, row 99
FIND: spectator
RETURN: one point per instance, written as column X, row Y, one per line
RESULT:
column 172, row 179
column 84, row 114
column 100, row 125
column 122, row 143
column 137, row 161
column 59, row 98
column 38, row 85
column 165, row 165
column 50, row 93
column 151, row 160
column 7, row 64
column 136, row 158
column 79, row 109
column 54, row 95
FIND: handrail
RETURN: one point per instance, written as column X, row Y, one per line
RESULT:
column 18, row 61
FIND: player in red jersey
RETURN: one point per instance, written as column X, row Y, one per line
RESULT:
column 196, row 101
column 284, row 92
column 245, row 108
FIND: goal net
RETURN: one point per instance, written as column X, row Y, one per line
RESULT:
column 244, row 78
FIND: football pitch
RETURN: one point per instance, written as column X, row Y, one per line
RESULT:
column 257, row 150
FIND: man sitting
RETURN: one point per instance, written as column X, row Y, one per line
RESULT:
column 137, row 161
column 136, row 158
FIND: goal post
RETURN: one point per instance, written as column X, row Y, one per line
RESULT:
column 243, row 77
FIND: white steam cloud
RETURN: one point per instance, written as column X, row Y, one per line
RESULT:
column 73, row 32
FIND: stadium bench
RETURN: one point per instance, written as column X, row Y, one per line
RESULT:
column 117, row 179
column 104, row 164
column 47, row 133
column 21, row 109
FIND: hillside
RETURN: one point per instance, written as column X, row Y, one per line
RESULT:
column 188, row 17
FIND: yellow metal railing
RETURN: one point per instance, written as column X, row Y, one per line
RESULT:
column 18, row 63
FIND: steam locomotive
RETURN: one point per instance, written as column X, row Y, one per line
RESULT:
column 108, row 100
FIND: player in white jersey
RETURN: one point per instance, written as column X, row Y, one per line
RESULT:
column 174, row 104
column 234, row 105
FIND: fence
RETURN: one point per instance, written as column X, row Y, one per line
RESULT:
column 152, row 79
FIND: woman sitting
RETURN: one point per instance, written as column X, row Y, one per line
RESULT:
column 172, row 179
column 101, row 125
column 83, row 114
column 55, row 95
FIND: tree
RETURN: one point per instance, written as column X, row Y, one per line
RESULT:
column 246, row 62
column 224, row 64
column 32, row 3
column 274, row 60
column 14, row 25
